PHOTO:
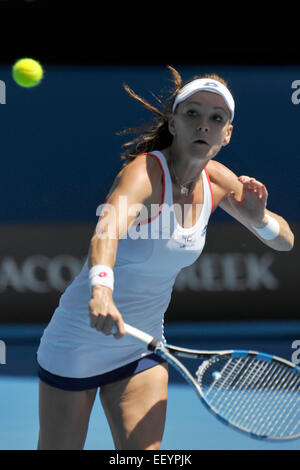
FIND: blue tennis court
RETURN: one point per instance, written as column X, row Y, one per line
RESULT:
column 189, row 425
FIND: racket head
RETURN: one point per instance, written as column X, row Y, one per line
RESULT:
column 254, row 392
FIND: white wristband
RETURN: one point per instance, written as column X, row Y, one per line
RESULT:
column 101, row 275
column 270, row 231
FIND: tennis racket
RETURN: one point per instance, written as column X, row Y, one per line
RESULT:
column 253, row 392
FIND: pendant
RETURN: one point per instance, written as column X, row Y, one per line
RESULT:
column 184, row 190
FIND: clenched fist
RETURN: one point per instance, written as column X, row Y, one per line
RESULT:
column 104, row 313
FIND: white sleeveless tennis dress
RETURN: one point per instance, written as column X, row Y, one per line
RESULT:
column 145, row 271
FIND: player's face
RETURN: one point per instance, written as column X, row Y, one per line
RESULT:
column 201, row 125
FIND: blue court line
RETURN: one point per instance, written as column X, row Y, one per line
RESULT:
column 257, row 329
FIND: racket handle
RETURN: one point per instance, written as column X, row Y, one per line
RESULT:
column 139, row 337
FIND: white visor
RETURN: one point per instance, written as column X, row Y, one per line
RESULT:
column 206, row 84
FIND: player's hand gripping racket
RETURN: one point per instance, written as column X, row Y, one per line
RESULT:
column 253, row 392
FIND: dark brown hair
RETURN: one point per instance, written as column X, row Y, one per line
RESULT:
column 155, row 135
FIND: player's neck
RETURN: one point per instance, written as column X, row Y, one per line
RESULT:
column 185, row 168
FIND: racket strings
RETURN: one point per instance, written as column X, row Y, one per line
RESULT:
column 259, row 396
column 271, row 392
column 261, row 383
column 247, row 379
column 274, row 404
column 250, row 378
column 287, row 409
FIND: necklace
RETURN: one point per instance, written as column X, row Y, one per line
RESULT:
column 183, row 188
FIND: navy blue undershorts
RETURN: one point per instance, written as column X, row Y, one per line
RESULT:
column 75, row 384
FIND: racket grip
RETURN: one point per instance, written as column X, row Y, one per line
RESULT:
column 137, row 336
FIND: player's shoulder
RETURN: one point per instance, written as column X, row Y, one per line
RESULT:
column 142, row 168
column 220, row 175
column 137, row 177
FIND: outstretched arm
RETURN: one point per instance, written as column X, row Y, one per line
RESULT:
column 134, row 183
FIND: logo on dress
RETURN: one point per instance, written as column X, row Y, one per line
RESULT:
column 103, row 274
column 187, row 241
column 204, row 230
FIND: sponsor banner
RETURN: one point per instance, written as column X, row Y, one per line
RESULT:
column 237, row 277
column 37, row 263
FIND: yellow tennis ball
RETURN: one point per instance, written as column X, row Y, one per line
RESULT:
column 27, row 72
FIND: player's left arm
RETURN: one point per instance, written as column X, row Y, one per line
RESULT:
column 245, row 199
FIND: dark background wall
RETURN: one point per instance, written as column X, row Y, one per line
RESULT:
column 60, row 151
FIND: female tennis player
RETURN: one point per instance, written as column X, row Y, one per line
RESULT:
column 152, row 225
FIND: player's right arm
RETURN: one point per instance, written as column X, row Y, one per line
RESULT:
column 133, row 186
